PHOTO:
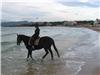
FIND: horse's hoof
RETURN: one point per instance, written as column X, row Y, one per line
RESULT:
column 52, row 58
column 42, row 60
column 26, row 59
column 33, row 59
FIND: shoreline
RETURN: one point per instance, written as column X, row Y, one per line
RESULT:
column 95, row 28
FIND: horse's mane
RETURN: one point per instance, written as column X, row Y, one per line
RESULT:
column 22, row 35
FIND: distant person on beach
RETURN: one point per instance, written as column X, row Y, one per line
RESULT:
column 34, row 36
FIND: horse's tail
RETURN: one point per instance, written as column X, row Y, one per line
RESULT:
column 56, row 49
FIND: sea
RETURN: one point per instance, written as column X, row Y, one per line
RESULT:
column 75, row 45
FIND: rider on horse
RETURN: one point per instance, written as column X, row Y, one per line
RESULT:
column 34, row 36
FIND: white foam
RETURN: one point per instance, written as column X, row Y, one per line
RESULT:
column 75, row 66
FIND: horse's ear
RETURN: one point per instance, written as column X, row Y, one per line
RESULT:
column 17, row 34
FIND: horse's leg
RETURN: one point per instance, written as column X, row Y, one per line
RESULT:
column 45, row 54
column 51, row 53
column 27, row 55
column 30, row 53
column 28, row 48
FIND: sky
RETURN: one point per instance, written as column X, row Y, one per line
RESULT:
column 50, row 10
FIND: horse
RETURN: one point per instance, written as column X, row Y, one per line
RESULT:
column 44, row 42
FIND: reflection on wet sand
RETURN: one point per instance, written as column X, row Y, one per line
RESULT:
column 57, row 67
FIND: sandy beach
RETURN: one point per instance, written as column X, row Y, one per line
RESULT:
column 78, row 47
column 95, row 28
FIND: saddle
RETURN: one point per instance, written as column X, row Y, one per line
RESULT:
column 36, row 42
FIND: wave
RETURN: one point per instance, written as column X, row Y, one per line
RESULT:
column 9, row 34
column 8, row 43
column 7, row 49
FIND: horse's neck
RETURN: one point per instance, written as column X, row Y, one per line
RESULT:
column 25, row 40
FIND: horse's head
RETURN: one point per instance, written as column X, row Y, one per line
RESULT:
column 18, row 39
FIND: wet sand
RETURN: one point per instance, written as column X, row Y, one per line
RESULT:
column 79, row 56
column 95, row 28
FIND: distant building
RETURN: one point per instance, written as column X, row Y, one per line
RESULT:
column 48, row 24
column 70, row 23
column 40, row 23
column 97, row 22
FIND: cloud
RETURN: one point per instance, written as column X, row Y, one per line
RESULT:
column 49, row 10
column 80, row 4
column 21, row 10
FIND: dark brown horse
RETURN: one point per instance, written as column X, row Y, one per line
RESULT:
column 44, row 42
